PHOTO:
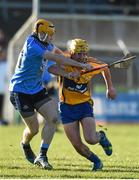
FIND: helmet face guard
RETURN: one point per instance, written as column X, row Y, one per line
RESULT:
column 42, row 36
column 44, row 26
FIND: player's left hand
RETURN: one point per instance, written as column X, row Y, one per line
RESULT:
column 111, row 93
column 74, row 75
column 87, row 67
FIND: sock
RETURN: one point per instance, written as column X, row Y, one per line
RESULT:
column 44, row 149
column 93, row 158
column 25, row 146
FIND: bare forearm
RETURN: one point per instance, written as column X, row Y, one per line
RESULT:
column 110, row 92
column 60, row 59
column 59, row 71
column 107, row 77
column 56, row 70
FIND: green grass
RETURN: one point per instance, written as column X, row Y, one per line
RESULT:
column 123, row 164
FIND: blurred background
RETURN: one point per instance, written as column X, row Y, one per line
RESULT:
column 101, row 22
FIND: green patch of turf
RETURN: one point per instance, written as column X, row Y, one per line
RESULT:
column 123, row 164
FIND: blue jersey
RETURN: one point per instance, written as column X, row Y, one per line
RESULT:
column 28, row 72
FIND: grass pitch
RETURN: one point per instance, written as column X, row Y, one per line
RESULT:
column 123, row 164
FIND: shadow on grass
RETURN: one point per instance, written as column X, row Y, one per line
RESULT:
column 120, row 168
column 20, row 176
column 71, row 169
column 72, row 165
column 87, row 168
column 11, row 167
column 105, row 169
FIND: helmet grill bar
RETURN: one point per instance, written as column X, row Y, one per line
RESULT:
column 37, row 27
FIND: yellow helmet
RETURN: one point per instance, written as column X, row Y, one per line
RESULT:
column 45, row 26
column 77, row 46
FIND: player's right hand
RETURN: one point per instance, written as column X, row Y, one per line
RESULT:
column 111, row 93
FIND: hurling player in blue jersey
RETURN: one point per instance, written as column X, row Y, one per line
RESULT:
column 27, row 93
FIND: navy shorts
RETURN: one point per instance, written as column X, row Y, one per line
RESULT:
column 27, row 104
column 71, row 113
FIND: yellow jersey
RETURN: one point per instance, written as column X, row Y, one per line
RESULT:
column 79, row 91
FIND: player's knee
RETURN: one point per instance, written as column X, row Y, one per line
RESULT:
column 91, row 140
column 51, row 124
column 34, row 131
column 55, row 120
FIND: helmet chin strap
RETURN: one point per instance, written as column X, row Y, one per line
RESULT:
column 44, row 38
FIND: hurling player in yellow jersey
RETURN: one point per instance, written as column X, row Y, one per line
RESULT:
column 76, row 105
